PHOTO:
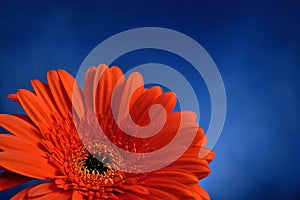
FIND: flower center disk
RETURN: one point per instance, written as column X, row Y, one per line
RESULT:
column 92, row 163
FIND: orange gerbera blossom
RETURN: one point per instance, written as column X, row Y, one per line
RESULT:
column 46, row 144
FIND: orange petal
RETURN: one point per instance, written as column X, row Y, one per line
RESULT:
column 136, row 95
column 13, row 97
column 180, row 190
column 196, row 166
column 117, row 74
column 103, row 92
column 182, row 176
column 52, row 195
column 116, row 77
column 88, row 87
column 19, row 127
column 136, row 189
column 158, row 194
column 99, row 73
column 9, row 142
column 59, row 94
column 132, row 83
column 22, row 195
column 64, row 195
column 140, row 109
column 27, row 164
column 42, row 189
column 201, row 193
column 131, row 195
column 9, row 179
column 36, row 110
column 177, row 123
column 73, row 92
column 167, row 100
column 43, row 92
column 207, row 153
column 77, row 196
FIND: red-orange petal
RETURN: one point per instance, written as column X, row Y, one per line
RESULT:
column 42, row 189
column 44, row 94
column 59, row 94
column 48, row 191
column 89, row 87
column 73, row 92
column 179, row 175
column 13, row 97
column 200, row 192
column 27, row 164
column 77, row 195
column 9, row 142
column 99, row 74
column 131, row 195
column 103, row 92
column 178, row 189
column 64, row 195
column 157, row 194
column 22, row 195
column 108, row 79
column 9, row 179
column 136, row 189
column 140, row 109
column 53, row 196
column 20, row 127
column 196, row 166
column 122, row 93
column 36, row 110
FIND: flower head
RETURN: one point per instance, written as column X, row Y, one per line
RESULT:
column 76, row 140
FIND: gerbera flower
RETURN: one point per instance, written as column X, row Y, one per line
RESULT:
column 59, row 140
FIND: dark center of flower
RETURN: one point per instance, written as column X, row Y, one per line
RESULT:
column 91, row 163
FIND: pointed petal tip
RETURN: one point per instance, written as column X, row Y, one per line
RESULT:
column 13, row 97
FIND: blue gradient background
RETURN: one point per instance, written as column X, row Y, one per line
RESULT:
column 256, row 46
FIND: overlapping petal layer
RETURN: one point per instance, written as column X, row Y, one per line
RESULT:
column 47, row 143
